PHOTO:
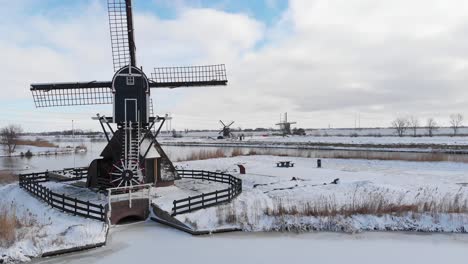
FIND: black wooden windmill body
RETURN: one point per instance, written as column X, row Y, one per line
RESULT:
column 226, row 130
column 133, row 155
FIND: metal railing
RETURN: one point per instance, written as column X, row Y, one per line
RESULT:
column 129, row 193
column 205, row 200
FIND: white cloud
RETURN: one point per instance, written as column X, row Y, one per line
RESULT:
column 323, row 61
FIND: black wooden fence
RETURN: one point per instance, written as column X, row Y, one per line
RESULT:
column 205, row 200
column 31, row 183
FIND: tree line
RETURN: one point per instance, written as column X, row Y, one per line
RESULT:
column 412, row 123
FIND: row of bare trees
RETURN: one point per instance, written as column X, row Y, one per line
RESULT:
column 402, row 124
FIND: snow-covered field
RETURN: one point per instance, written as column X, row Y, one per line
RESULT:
column 440, row 140
column 329, row 140
column 42, row 228
column 295, row 198
column 324, row 132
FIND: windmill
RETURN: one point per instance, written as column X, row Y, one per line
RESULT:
column 285, row 125
column 132, row 156
column 168, row 119
column 226, row 131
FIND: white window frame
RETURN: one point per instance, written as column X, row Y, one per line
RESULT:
column 130, row 80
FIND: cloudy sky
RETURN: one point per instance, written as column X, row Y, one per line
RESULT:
column 323, row 61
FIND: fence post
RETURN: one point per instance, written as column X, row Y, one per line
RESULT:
column 203, row 200
column 216, row 195
column 174, row 208
column 75, row 205
column 63, row 201
column 87, row 211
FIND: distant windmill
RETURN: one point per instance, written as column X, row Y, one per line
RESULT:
column 285, row 125
column 226, row 131
column 168, row 118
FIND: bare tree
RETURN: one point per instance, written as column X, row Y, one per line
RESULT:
column 9, row 137
column 413, row 123
column 431, row 126
column 400, row 124
column 456, row 121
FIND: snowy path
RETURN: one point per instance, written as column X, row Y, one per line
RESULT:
column 152, row 243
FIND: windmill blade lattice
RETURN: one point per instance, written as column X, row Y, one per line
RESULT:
column 121, row 32
column 67, row 94
column 173, row 77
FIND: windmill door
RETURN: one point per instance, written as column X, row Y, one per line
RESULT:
column 131, row 110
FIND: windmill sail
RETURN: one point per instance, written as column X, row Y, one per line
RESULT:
column 77, row 93
column 121, row 32
column 174, row 77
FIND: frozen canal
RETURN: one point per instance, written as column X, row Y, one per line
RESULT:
column 153, row 243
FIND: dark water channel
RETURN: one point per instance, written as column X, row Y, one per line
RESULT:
column 176, row 153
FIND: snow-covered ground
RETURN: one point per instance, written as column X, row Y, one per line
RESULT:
column 44, row 229
column 329, row 140
column 268, row 189
column 70, row 190
column 440, row 140
column 182, row 189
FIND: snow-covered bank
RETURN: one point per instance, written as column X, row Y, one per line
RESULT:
column 361, row 140
column 24, row 151
column 371, row 195
column 400, row 144
column 44, row 229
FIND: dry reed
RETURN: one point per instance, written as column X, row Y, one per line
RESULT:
column 7, row 177
column 237, row 152
column 8, row 225
column 37, row 143
column 372, row 203
column 204, row 155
